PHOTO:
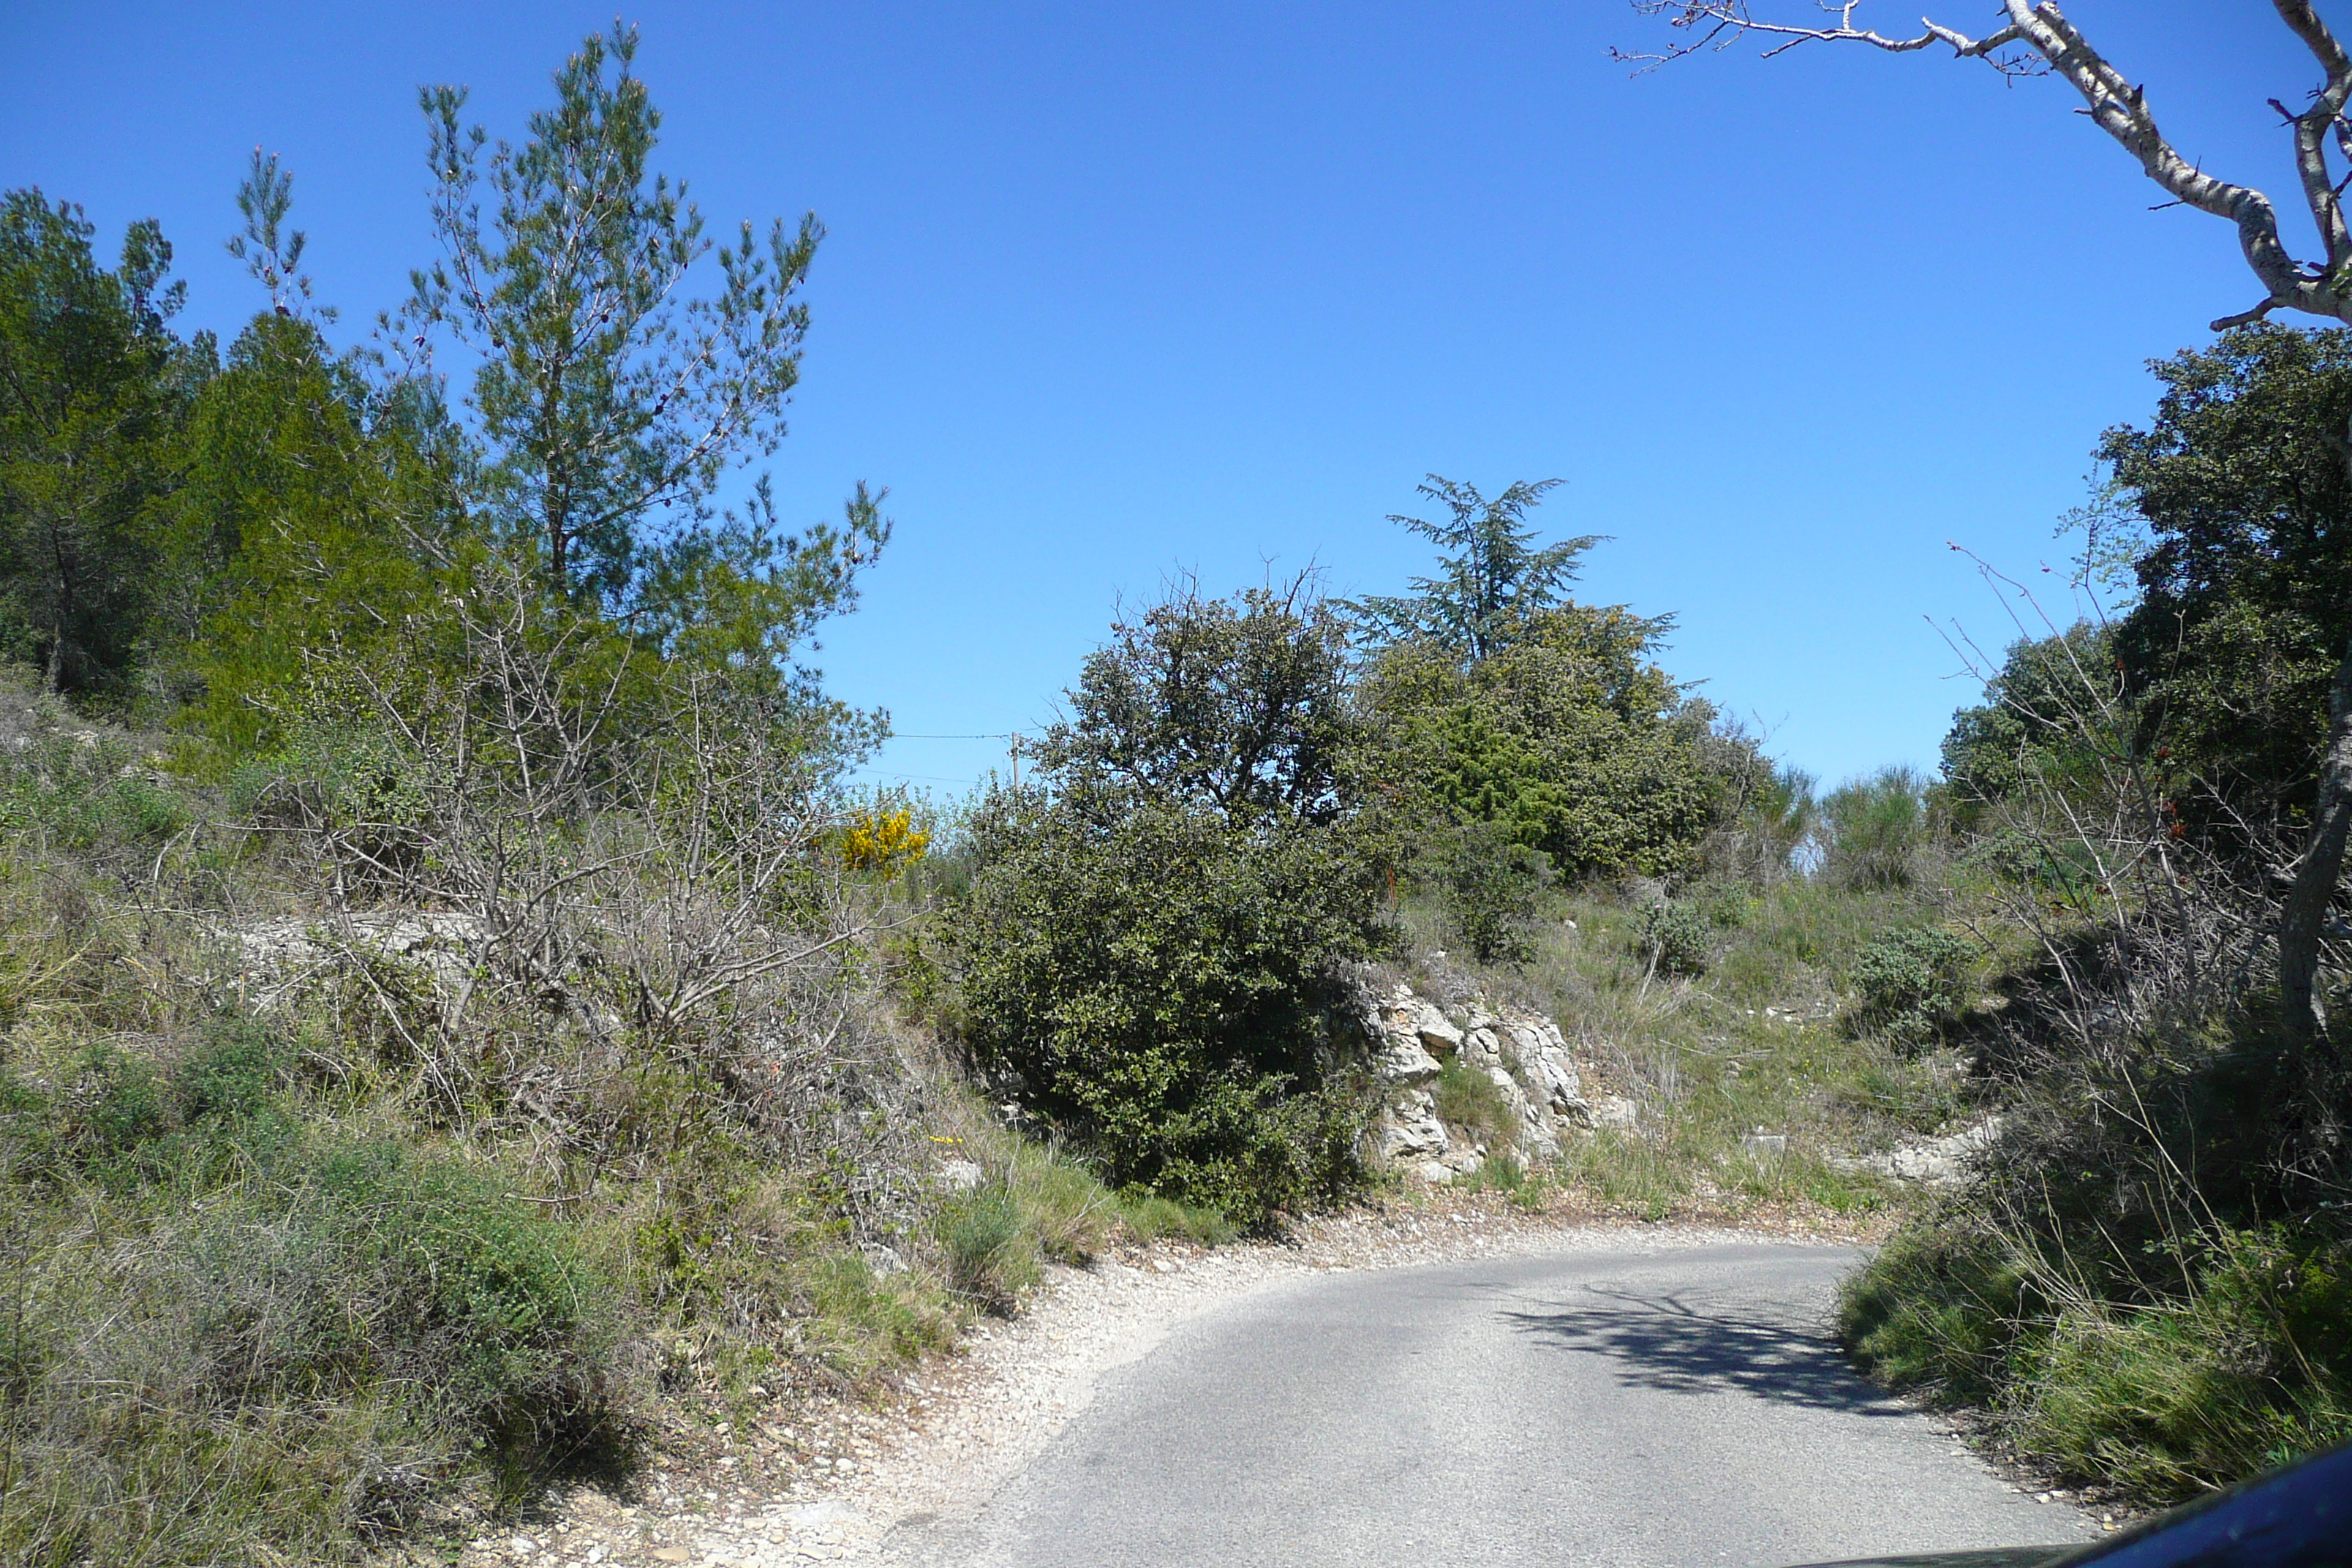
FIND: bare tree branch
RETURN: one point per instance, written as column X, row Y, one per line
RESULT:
column 2319, row 288
column 2038, row 40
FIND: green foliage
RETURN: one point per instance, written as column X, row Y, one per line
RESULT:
column 1492, row 588
column 1490, row 883
column 1158, row 983
column 1147, row 951
column 2043, row 713
column 325, row 1331
column 1239, row 707
column 312, row 508
column 1675, row 939
column 1566, row 738
column 85, row 793
column 92, row 387
column 612, row 402
column 2244, row 1363
column 1910, row 984
column 439, row 1279
column 1464, row 1095
column 992, row 1259
column 1877, row 832
column 233, row 1074
column 2246, row 589
column 1150, row 1218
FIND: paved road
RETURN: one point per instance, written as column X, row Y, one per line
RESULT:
column 1630, row 1407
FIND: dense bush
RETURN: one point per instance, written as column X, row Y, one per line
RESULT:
column 2032, row 734
column 1878, row 832
column 80, row 790
column 2238, row 489
column 1159, row 985
column 321, row 1344
column 1675, row 939
column 1565, row 737
column 1147, row 947
column 2243, row 1364
column 1909, row 984
column 1489, row 883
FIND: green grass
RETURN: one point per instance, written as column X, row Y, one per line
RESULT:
column 1702, row 1056
column 1464, row 1095
column 2243, row 1366
column 369, row 1262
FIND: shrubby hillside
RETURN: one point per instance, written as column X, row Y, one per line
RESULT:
column 458, row 1022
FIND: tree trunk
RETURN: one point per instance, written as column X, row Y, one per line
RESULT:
column 2302, row 1014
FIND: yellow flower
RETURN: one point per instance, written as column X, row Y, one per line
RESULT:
column 883, row 841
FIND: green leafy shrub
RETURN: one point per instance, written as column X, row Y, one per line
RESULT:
column 1875, row 833
column 1564, row 736
column 1675, row 939
column 318, row 1350
column 1490, row 882
column 233, row 1075
column 71, row 788
column 447, row 1283
column 1909, row 984
column 2244, row 1362
column 1159, row 984
column 116, row 1102
column 1150, row 1218
column 1464, row 1095
column 1149, row 951
column 992, row 1257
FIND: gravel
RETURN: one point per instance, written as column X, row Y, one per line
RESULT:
column 967, row 1425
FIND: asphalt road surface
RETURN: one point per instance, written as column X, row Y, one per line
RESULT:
column 1630, row 1407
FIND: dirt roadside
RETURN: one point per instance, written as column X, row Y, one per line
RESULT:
column 832, row 1483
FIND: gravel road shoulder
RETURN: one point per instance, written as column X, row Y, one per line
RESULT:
column 965, row 1425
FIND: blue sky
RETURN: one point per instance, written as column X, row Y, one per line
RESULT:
column 1116, row 290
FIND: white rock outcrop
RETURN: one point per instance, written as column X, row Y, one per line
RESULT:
column 1946, row 1161
column 1523, row 1054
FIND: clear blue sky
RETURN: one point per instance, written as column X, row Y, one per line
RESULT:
column 1117, row 289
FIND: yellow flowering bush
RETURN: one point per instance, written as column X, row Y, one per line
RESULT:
column 883, row 841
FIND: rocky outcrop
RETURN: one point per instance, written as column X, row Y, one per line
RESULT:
column 1946, row 1161
column 1522, row 1054
column 277, row 956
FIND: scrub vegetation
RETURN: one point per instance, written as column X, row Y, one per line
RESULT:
column 457, row 1018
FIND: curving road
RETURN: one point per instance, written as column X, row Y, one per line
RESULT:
column 1634, row 1407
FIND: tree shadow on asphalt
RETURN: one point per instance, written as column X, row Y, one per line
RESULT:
column 1664, row 1342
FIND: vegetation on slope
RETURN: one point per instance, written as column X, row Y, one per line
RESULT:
column 454, row 1014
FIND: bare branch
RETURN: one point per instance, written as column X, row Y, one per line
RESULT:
column 2037, row 39
column 1722, row 23
column 2243, row 317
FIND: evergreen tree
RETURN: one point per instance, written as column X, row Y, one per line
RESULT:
column 92, row 385
column 612, row 403
column 1492, row 583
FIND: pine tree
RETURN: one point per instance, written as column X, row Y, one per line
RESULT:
column 92, row 384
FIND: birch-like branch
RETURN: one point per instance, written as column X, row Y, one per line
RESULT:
column 2038, row 40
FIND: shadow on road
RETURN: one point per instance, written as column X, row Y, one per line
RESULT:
column 1663, row 1342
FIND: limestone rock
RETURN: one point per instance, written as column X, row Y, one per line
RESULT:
column 1946, row 1161
column 1410, row 1130
column 1402, row 1059
column 1436, row 1031
column 1548, row 1067
column 1523, row 1054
